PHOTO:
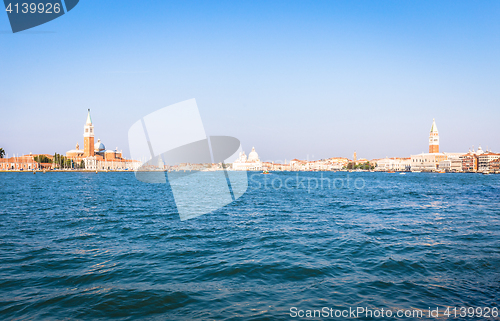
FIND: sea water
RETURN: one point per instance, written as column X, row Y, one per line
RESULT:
column 106, row 246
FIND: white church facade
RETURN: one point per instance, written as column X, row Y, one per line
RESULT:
column 252, row 163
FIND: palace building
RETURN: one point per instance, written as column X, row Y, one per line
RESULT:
column 430, row 161
column 95, row 156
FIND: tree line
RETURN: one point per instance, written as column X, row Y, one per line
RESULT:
column 60, row 161
column 365, row 166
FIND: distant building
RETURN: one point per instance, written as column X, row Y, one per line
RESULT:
column 452, row 164
column 484, row 161
column 495, row 166
column 434, row 138
column 252, row 163
column 470, row 161
column 299, row 165
column 427, row 161
column 393, row 164
column 19, row 163
column 271, row 166
column 337, row 163
column 95, row 156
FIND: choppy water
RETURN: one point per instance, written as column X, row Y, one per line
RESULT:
column 105, row 246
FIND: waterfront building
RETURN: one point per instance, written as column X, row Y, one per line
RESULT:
column 337, row 163
column 470, row 161
column 495, row 166
column 374, row 162
column 393, row 164
column 434, row 138
column 267, row 166
column 299, row 165
column 484, row 161
column 272, row 166
column 252, row 163
column 319, row 165
column 19, row 163
column 452, row 164
column 427, row 161
column 281, row 167
column 337, row 166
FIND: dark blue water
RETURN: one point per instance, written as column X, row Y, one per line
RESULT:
column 105, row 246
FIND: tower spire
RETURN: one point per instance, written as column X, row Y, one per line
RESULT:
column 434, row 127
column 434, row 138
column 88, row 137
column 89, row 120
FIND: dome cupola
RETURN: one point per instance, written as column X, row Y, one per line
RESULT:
column 253, row 156
column 99, row 147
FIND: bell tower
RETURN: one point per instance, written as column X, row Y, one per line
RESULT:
column 434, row 138
column 88, row 137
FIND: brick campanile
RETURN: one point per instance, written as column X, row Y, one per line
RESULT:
column 434, row 138
column 88, row 137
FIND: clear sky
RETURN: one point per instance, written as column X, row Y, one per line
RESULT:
column 295, row 79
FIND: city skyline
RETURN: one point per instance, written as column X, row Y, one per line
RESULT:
column 95, row 157
column 295, row 79
column 88, row 151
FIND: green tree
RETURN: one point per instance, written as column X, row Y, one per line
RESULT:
column 2, row 153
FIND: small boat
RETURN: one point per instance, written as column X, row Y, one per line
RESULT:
column 391, row 172
column 265, row 172
column 402, row 173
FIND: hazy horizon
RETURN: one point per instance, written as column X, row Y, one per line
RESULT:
column 294, row 79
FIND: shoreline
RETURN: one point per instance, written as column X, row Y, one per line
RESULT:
column 346, row 171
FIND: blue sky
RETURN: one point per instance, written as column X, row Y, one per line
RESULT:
column 295, row 79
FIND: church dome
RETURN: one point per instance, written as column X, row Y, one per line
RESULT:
column 253, row 156
column 99, row 147
column 242, row 158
